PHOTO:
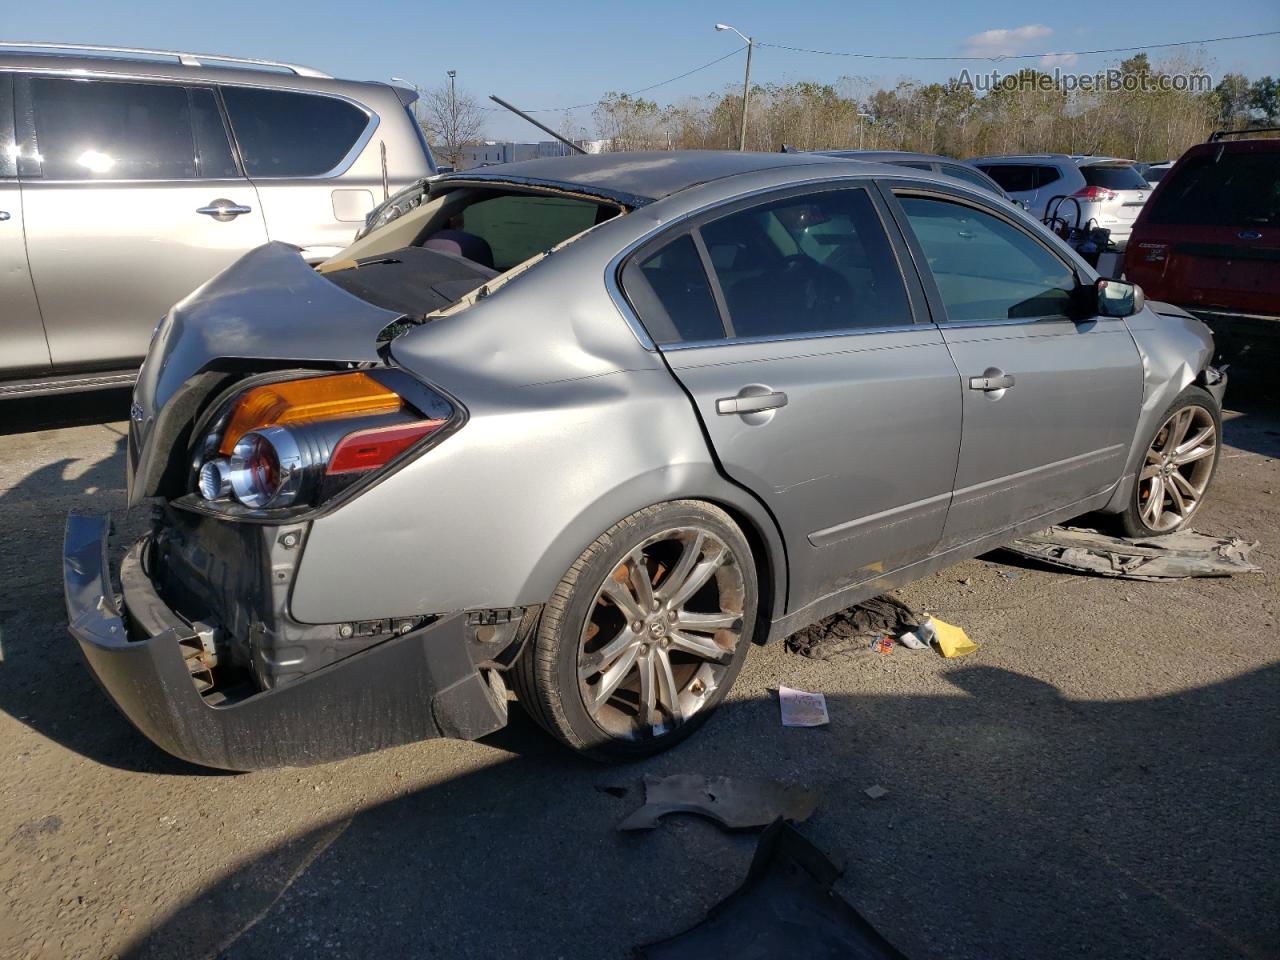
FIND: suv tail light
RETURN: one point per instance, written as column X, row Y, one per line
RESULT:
column 299, row 442
column 1095, row 193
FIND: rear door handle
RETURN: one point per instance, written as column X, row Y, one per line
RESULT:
column 751, row 403
column 993, row 379
column 223, row 210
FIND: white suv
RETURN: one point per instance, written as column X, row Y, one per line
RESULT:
column 1110, row 192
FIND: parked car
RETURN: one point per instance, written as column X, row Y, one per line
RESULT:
column 1153, row 172
column 1109, row 191
column 137, row 175
column 923, row 161
column 693, row 400
column 1209, row 240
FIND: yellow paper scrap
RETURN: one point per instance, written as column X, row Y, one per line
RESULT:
column 951, row 640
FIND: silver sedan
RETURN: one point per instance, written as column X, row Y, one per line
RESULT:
column 586, row 428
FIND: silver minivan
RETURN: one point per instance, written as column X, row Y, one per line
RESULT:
column 129, row 177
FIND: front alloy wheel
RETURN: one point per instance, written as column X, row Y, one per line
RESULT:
column 645, row 634
column 1178, row 466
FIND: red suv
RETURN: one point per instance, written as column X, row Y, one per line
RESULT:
column 1208, row 240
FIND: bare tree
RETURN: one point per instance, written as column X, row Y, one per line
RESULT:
column 452, row 120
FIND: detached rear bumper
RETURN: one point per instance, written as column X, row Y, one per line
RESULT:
column 416, row 686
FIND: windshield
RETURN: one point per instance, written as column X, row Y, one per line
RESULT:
column 1240, row 189
column 1120, row 176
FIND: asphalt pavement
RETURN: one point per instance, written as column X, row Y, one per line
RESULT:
column 1099, row 779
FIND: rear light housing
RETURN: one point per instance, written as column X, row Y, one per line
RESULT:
column 1095, row 194
column 297, row 444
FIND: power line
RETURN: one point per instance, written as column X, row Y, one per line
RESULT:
column 1020, row 56
column 634, row 93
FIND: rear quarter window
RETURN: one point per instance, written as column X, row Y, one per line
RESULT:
column 1012, row 177
column 1235, row 190
column 286, row 134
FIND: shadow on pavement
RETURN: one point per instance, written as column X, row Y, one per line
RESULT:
column 1019, row 823
column 67, row 410
column 43, row 679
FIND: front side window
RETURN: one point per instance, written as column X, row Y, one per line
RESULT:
column 287, row 134
column 986, row 268
column 104, row 130
column 818, row 263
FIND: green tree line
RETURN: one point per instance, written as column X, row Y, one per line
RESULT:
column 1151, row 116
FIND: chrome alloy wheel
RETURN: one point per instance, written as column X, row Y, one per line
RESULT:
column 1178, row 466
column 661, row 633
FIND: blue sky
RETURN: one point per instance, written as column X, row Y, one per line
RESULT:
column 553, row 53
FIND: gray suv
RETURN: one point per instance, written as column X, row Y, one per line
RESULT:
column 130, row 177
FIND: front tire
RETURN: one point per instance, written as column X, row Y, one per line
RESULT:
column 1179, row 465
column 645, row 634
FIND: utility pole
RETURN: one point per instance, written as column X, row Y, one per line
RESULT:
column 746, row 84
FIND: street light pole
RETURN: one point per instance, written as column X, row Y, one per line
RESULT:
column 861, row 117
column 746, row 84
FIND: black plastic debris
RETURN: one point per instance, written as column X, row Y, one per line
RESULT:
column 735, row 804
column 1170, row 557
column 850, row 631
column 785, row 908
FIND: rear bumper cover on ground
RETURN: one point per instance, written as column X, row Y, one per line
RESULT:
column 412, row 687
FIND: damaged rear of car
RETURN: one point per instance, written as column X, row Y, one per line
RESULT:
column 274, row 400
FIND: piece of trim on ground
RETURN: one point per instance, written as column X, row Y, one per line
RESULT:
column 1174, row 556
column 732, row 803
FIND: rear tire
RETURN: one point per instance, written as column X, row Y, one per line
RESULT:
column 644, row 635
column 1178, row 468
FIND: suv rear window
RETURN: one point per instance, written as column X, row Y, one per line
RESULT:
column 1119, row 176
column 1240, row 189
column 285, row 134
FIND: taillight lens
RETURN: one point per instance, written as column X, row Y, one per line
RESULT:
column 370, row 449
column 1096, row 193
column 298, row 442
column 313, row 398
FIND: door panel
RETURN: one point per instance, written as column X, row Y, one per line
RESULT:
column 788, row 322
column 109, row 260
column 857, row 467
column 25, row 350
column 113, row 194
column 1059, row 434
column 1051, row 399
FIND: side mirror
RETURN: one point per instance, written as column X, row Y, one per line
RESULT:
column 1119, row 299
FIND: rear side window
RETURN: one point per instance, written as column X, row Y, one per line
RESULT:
column 103, row 130
column 1013, row 177
column 985, row 268
column 1047, row 175
column 811, row 264
column 286, row 134
column 1238, row 190
column 8, row 139
column 1114, row 177
column 671, row 294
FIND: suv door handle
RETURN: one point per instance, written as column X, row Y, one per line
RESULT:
column 750, row 402
column 992, row 379
column 224, row 210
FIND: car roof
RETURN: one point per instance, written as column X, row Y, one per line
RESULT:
column 884, row 156
column 637, row 178
column 174, row 65
column 1023, row 158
